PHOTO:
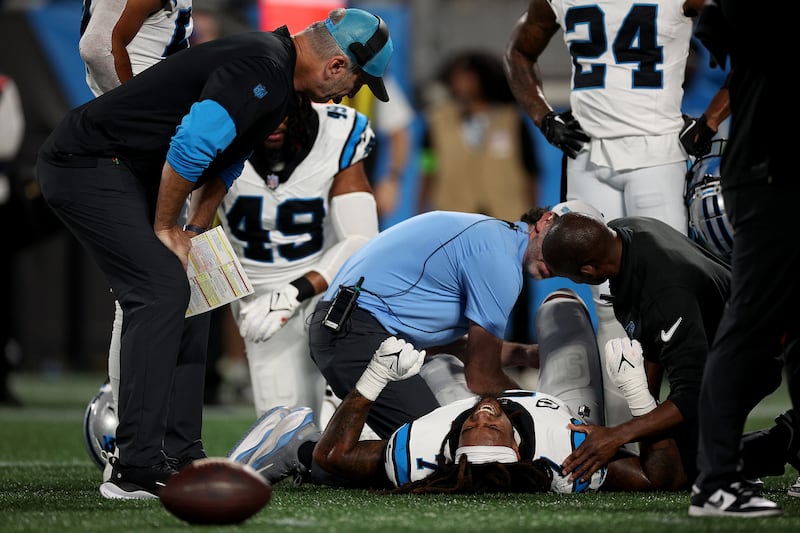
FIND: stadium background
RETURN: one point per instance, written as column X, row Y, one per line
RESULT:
column 61, row 305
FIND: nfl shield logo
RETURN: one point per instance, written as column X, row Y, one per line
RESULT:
column 273, row 181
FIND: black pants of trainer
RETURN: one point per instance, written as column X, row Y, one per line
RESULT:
column 162, row 359
column 759, row 329
column 344, row 355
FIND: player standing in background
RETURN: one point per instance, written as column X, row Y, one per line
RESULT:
column 621, row 136
column 121, row 38
column 302, row 205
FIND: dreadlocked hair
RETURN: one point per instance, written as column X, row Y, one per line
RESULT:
column 301, row 124
column 465, row 477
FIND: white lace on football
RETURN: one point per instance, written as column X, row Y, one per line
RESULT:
column 487, row 454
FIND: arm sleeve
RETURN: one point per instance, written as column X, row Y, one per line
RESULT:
column 202, row 134
column 354, row 217
column 397, row 457
column 234, row 171
column 95, row 44
column 684, row 355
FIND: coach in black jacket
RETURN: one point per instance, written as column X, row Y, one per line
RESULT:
column 118, row 171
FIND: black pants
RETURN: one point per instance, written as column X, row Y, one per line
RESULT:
column 162, row 359
column 343, row 356
column 758, row 331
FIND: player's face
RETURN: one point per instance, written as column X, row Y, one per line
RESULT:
column 533, row 260
column 274, row 140
column 487, row 426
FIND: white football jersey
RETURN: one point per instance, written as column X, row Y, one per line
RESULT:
column 285, row 228
column 628, row 63
column 412, row 450
column 163, row 33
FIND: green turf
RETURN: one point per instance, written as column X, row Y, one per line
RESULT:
column 47, row 483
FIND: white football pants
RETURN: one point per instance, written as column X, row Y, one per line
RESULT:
column 569, row 362
column 281, row 369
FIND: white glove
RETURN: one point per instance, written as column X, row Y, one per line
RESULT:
column 394, row 360
column 625, row 366
column 260, row 318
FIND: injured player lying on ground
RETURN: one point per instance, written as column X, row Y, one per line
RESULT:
column 513, row 441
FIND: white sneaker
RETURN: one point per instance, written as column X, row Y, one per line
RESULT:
column 733, row 500
column 277, row 457
column 243, row 450
column 794, row 490
column 106, row 456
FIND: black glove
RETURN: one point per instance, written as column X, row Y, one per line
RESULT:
column 696, row 135
column 564, row 132
column 712, row 31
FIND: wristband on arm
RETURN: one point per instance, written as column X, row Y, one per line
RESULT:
column 192, row 227
column 305, row 289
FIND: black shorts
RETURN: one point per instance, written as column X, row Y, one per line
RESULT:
column 344, row 355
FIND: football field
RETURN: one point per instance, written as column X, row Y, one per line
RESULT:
column 49, row 484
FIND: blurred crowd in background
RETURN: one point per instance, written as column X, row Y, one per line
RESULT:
column 452, row 137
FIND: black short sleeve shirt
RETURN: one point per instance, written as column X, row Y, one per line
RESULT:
column 250, row 75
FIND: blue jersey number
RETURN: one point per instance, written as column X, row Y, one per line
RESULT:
column 293, row 217
column 636, row 42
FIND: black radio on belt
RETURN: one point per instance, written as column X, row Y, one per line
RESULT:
column 342, row 305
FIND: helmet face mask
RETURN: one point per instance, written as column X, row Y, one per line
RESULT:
column 100, row 426
column 708, row 223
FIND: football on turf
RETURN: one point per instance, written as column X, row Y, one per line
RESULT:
column 216, row 490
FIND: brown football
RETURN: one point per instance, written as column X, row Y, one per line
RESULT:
column 216, row 490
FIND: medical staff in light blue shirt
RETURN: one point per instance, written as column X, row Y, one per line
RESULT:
column 443, row 281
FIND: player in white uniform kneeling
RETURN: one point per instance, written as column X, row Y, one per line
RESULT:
column 302, row 205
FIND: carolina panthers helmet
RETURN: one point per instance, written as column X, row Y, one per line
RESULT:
column 708, row 224
column 100, row 426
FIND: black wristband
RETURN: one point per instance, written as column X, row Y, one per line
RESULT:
column 305, row 289
column 192, row 227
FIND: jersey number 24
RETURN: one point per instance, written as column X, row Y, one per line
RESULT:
column 636, row 42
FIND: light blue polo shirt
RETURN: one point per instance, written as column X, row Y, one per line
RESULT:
column 427, row 277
